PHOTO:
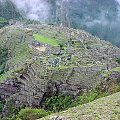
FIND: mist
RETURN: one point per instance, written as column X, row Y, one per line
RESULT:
column 33, row 9
column 99, row 17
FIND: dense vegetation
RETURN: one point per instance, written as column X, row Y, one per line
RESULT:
column 58, row 103
column 31, row 114
column 8, row 10
column 118, row 60
column 1, row 105
column 3, row 59
column 3, row 22
column 27, row 114
column 62, row 102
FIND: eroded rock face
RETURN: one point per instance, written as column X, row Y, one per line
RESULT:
column 31, row 87
column 35, row 75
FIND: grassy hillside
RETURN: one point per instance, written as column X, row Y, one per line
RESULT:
column 107, row 108
column 46, row 40
column 46, row 63
column 14, row 46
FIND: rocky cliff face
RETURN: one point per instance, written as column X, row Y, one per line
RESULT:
column 36, row 69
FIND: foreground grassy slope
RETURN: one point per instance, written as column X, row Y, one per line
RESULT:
column 107, row 108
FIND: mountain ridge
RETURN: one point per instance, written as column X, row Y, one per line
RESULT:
column 101, row 22
column 36, row 70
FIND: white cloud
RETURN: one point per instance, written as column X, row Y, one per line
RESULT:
column 34, row 9
column 118, row 1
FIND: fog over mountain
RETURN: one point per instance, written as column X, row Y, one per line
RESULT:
column 33, row 9
column 59, row 59
column 99, row 17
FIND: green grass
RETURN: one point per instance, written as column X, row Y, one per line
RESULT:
column 21, row 53
column 118, row 60
column 2, row 20
column 31, row 114
column 107, row 73
column 107, row 108
column 60, row 102
column 3, row 76
column 46, row 40
column 117, row 69
column 1, row 106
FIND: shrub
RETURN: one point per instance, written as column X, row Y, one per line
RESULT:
column 3, row 22
column 58, row 103
column 3, row 59
column 61, row 102
column 117, row 88
column 86, row 97
column 118, row 60
column 1, row 105
column 31, row 114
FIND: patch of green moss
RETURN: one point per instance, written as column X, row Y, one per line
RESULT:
column 106, row 73
column 3, row 59
column 118, row 60
column 3, row 22
column 119, row 116
column 3, row 76
column 1, row 105
column 46, row 40
column 31, row 114
column 117, row 69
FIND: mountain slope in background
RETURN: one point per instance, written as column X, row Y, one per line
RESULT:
column 52, row 67
column 8, row 10
column 45, row 60
column 101, row 18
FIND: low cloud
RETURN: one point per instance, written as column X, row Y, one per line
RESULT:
column 33, row 9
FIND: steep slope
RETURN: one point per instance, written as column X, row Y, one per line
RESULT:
column 107, row 108
column 100, row 18
column 8, row 10
column 15, row 41
column 44, row 60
